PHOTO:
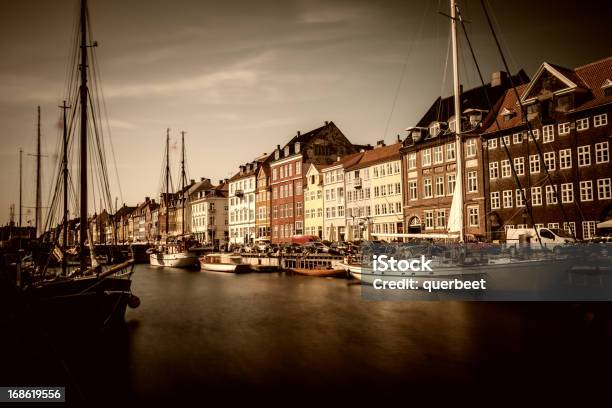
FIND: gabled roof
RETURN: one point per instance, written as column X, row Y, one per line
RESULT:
column 443, row 108
column 377, row 155
column 590, row 78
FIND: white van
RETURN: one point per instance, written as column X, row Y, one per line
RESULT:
column 551, row 237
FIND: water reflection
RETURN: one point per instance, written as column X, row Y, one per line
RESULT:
column 243, row 335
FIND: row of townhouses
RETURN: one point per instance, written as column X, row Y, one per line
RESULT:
column 546, row 167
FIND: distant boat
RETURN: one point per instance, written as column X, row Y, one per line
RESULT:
column 224, row 263
column 177, row 254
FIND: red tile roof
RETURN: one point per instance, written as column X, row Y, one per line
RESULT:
column 589, row 77
column 378, row 155
column 345, row 161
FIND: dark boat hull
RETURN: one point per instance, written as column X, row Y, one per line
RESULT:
column 79, row 304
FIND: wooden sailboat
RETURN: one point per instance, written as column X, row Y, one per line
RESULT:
column 90, row 296
column 174, row 254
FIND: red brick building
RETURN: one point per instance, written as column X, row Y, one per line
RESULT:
column 568, row 111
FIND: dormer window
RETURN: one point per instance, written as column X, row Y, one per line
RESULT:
column 507, row 114
column 434, row 129
column 607, row 87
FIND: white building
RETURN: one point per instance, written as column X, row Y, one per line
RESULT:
column 209, row 214
column 374, row 194
column 242, row 192
column 334, row 217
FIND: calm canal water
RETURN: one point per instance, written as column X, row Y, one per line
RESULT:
column 211, row 334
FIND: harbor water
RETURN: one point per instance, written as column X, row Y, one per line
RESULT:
column 208, row 335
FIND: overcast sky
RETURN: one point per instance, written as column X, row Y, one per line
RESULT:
column 241, row 77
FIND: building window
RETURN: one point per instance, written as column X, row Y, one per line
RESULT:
column 506, row 140
column 495, row 200
column 565, row 159
column 451, row 179
column 472, row 182
column 440, row 186
column 600, row 120
column 412, row 161
column 434, row 129
column 507, row 199
column 534, row 164
column 564, row 128
column 603, row 189
column 473, row 216
column 492, row 144
column 450, row 151
column 553, row 225
column 536, row 195
column 438, row 155
column 412, row 190
column 588, row 229
column 551, row 194
column 340, row 211
column 584, row 156
column 427, row 188
column 298, row 209
column 298, row 170
column 520, row 198
column 517, row 138
column 602, row 154
column 441, row 219
column 426, row 157
column 548, row 133
column 493, row 170
column 470, row 148
column 535, row 134
column 582, row 124
column 505, row 168
column 586, row 190
column 567, row 193
column 549, row 161
column 519, row 166
column 429, row 219
column 570, row 228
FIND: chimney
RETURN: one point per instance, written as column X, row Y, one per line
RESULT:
column 326, row 123
column 277, row 147
column 201, row 178
column 192, row 181
column 147, row 199
column 498, row 78
column 399, row 139
column 220, row 182
column 379, row 143
column 298, row 133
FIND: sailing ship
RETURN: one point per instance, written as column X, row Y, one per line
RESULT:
column 89, row 296
column 176, row 253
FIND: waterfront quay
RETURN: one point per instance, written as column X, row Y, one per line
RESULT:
column 213, row 336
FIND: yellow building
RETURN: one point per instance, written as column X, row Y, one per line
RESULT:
column 313, row 201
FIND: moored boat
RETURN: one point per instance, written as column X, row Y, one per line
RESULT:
column 224, row 263
column 173, row 256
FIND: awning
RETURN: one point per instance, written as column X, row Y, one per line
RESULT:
column 605, row 224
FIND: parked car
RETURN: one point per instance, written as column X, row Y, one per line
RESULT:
column 319, row 248
column 262, row 245
column 301, row 239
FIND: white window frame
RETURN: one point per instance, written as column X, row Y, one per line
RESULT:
column 586, row 190
column 550, row 158
column 519, row 166
column 536, row 196
column 548, row 134
column 563, row 128
column 472, row 182
column 495, row 203
column 602, row 153
column 567, row 193
column 604, row 189
column 565, row 159
column 582, row 124
column 600, row 120
column 507, row 199
column 584, row 156
column 534, row 164
column 493, row 170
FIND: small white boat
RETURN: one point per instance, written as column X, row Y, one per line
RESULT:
column 224, row 263
column 173, row 256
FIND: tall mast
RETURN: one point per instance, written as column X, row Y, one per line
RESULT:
column 83, row 142
column 458, row 145
column 183, row 182
column 38, row 207
column 167, row 182
column 65, row 107
column 20, row 185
